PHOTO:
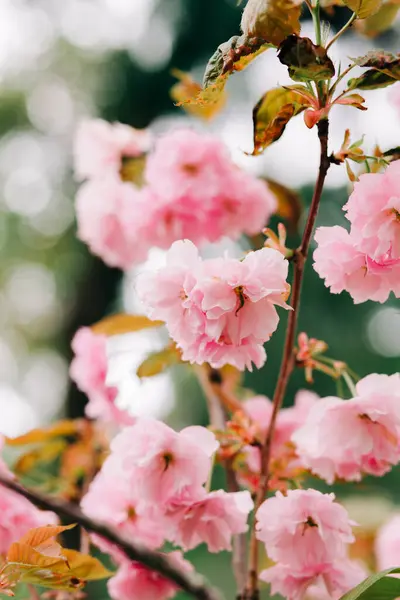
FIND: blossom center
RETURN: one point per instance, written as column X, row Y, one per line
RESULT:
column 239, row 291
column 167, row 458
column 190, row 168
column 131, row 513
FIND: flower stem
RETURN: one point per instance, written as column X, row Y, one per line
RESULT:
column 287, row 364
column 191, row 583
column 349, row 383
column 341, row 31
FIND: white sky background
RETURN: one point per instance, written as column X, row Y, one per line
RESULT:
column 34, row 163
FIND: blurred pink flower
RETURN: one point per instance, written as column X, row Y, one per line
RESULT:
column 221, row 310
column 18, row 516
column 115, row 500
column 387, row 544
column 162, row 462
column 327, row 581
column 88, row 370
column 112, row 221
column 346, row 439
column 340, row 262
column 211, row 518
column 133, row 580
column 304, row 528
column 100, row 147
column 373, row 210
column 307, row 534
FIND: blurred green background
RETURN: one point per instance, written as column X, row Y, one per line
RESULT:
column 113, row 58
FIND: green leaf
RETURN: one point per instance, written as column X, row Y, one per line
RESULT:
column 363, row 8
column 231, row 56
column 305, row 60
column 157, row 362
column 384, row 71
column 376, row 587
column 271, row 20
column 274, row 111
column 380, row 21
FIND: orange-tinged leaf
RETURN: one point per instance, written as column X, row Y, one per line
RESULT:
column 380, row 21
column 39, row 535
column 158, row 362
column 363, row 8
column 271, row 20
column 24, row 557
column 60, row 429
column 231, row 56
column 44, row 453
column 289, row 203
column 123, row 323
column 187, row 89
column 274, row 111
column 86, row 567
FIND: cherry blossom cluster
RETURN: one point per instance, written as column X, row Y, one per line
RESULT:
column 221, row 310
column 366, row 261
column 307, row 534
column 347, row 439
column 152, row 488
column 192, row 190
column 89, row 371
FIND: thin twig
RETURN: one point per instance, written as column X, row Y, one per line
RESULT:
column 341, row 31
column 192, row 583
column 287, row 364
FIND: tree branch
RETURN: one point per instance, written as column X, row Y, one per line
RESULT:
column 191, row 583
column 287, row 364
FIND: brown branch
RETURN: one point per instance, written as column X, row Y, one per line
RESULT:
column 287, row 364
column 192, row 583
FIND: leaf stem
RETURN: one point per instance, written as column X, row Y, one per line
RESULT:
column 349, row 383
column 251, row 592
column 341, row 31
column 192, row 583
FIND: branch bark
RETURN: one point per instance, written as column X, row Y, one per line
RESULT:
column 251, row 592
column 191, row 583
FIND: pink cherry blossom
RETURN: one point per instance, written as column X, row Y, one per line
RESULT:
column 100, row 147
column 115, row 500
column 112, row 220
column 211, row 518
column 162, row 462
column 344, row 266
column 199, row 194
column 133, row 580
column 387, row 544
column 325, row 581
column 304, row 528
column 373, row 210
column 88, row 370
column 221, row 310
column 348, row 438
column 18, row 516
